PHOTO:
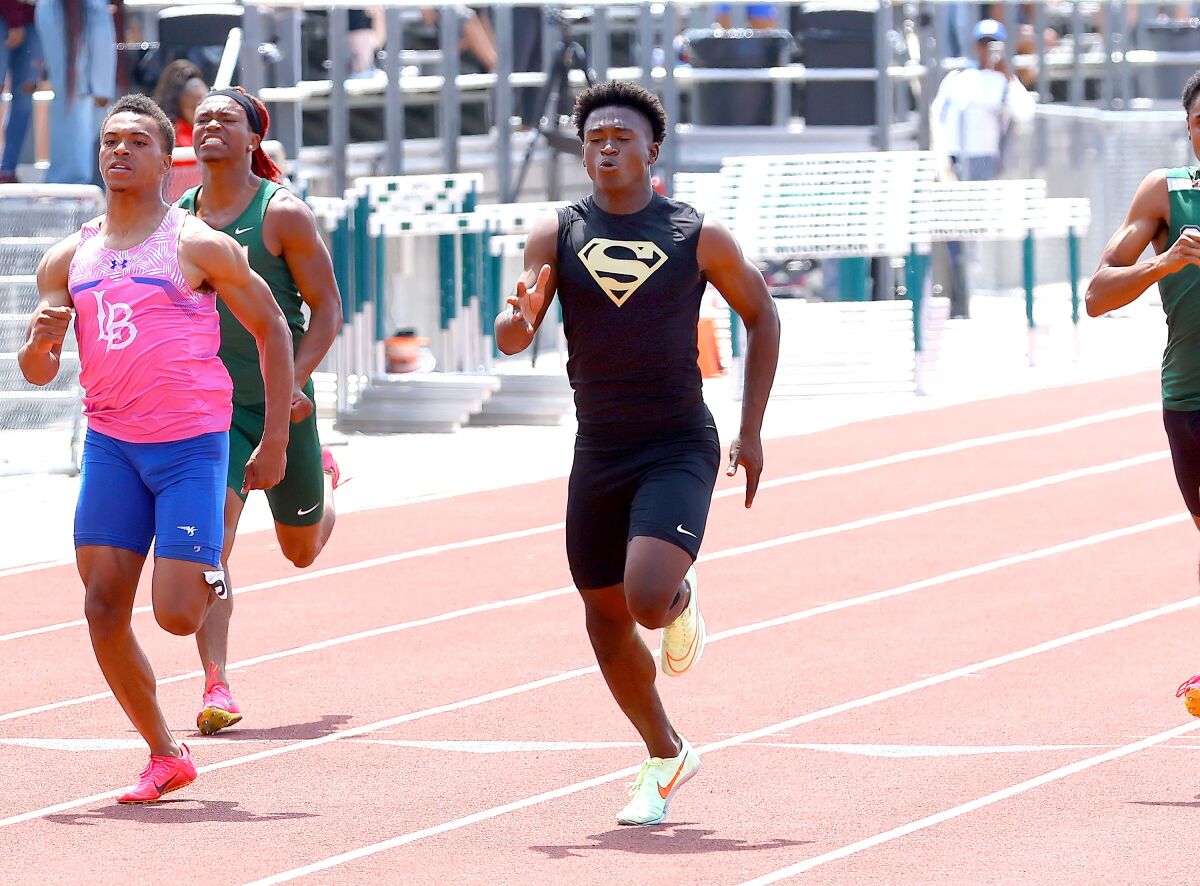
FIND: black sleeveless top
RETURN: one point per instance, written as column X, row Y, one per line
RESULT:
column 630, row 289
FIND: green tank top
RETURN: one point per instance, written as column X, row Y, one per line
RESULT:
column 239, row 351
column 1181, row 300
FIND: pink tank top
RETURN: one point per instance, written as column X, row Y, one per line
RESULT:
column 147, row 341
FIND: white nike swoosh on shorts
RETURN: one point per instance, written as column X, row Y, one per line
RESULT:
column 301, row 513
column 680, row 528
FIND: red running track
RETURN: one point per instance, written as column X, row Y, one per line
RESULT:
column 944, row 646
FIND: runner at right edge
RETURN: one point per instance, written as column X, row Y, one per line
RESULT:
column 1166, row 213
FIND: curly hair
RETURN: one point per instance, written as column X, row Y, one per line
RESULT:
column 1190, row 90
column 144, row 106
column 624, row 95
column 175, row 77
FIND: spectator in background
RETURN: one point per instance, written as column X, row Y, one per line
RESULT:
column 180, row 88
column 970, row 118
column 975, row 107
column 21, row 63
column 759, row 16
column 79, row 40
column 364, row 41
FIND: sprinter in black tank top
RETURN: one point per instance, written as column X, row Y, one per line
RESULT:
column 630, row 268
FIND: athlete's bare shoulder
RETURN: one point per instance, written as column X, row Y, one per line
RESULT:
column 196, row 237
column 287, row 217
column 206, row 253
column 55, row 264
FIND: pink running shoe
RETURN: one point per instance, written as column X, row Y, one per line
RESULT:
column 330, row 466
column 1189, row 691
column 161, row 776
column 219, row 710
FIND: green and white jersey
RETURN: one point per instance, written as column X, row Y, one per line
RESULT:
column 239, row 351
column 1181, row 299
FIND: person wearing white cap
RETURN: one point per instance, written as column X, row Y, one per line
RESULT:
column 969, row 120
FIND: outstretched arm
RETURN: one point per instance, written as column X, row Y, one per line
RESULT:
column 222, row 264
column 743, row 287
column 517, row 323
column 40, row 355
column 312, row 269
column 1121, row 278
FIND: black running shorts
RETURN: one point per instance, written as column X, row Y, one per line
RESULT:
column 618, row 492
column 1183, row 434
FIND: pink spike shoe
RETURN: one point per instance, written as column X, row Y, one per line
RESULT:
column 330, row 466
column 219, row 710
column 1189, row 691
column 161, row 776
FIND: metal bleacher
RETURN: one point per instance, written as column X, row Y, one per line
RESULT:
column 33, row 218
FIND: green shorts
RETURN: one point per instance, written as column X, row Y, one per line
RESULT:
column 299, row 499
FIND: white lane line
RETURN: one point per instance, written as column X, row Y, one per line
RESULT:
column 925, row 751
column 973, row 805
column 414, row 554
column 534, row 685
column 79, row 745
column 746, row 737
column 839, row 471
column 889, row 516
column 34, row 567
column 948, row 448
column 501, row 747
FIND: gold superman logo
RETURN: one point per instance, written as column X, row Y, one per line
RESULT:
column 620, row 267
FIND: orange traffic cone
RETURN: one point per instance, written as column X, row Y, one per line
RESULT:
column 710, row 355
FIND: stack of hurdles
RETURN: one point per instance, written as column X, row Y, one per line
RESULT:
column 419, row 256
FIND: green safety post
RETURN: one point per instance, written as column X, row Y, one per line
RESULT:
column 341, row 265
column 362, row 253
column 487, row 282
column 470, row 262
column 735, row 338
column 446, row 279
column 853, row 276
column 381, row 331
column 1073, row 270
column 914, row 279
column 1029, row 281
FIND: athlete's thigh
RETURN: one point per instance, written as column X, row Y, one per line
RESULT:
column 245, row 433
column 599, row 493
column 115, row 507
column 187, row 478
column 1183, row 436
column 299, row 498
column 675, row 492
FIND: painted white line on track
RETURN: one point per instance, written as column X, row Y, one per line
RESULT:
column 924, row 751
column 948, row 448
column 973, row 805
column 564, row 676
column 746, row 737
column 887, row 517
column 385, row 560
column 808, row 476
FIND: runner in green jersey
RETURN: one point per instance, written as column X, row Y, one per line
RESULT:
column 240, row 196
column 1165, row 213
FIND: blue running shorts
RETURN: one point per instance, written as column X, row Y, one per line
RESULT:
column 172, row 493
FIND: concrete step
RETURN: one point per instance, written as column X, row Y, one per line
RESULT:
column 527, row 399
column 417, row 403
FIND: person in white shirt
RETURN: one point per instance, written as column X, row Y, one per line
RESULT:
column 974, row 108
column 969, row 121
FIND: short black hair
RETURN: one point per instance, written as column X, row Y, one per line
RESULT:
column 624, row 95
column 143, row 105
column 1190, row 90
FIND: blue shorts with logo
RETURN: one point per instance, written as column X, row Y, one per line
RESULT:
column 171, row 493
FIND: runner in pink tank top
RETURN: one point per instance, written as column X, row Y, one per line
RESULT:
column 142, row 282
column 147, row 341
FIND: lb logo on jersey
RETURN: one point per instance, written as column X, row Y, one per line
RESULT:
column 114, row 322
column 620, row 267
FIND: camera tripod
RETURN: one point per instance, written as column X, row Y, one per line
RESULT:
column 569, row 56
